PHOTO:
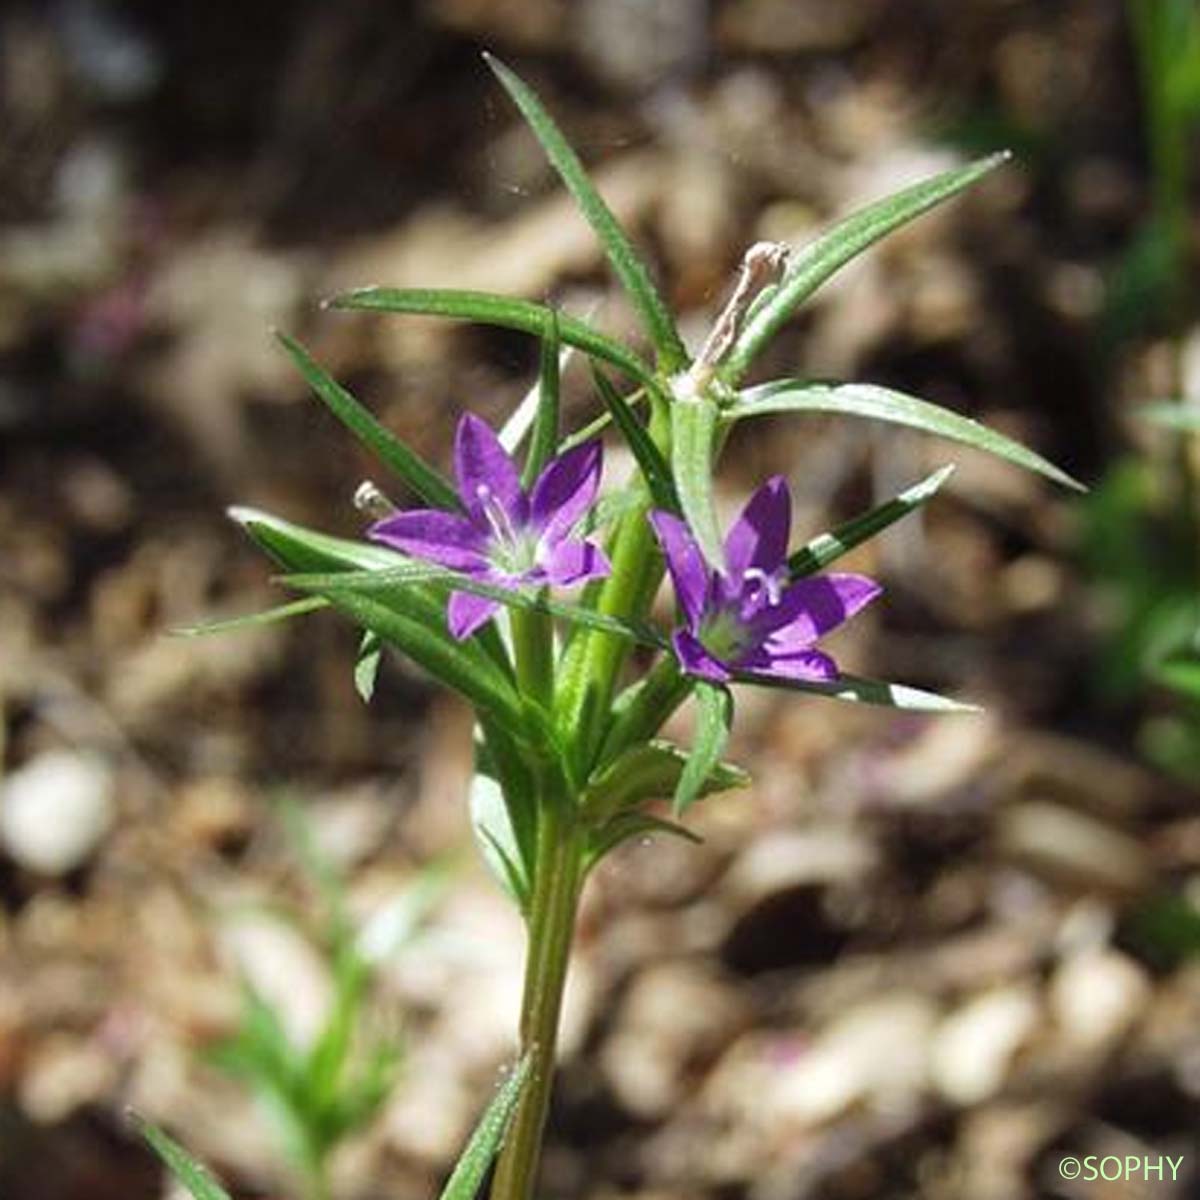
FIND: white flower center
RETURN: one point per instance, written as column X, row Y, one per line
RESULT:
column 512, row 550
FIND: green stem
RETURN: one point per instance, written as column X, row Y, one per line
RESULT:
column 533, row 648
column 594, row 660
column 551, row 927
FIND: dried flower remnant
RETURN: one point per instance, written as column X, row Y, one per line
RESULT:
column 508, row 537
column 749, row 618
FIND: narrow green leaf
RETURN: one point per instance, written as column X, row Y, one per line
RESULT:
column 516, row 429
column 655, row 469
column 650, row 771
column 485, row 1143
column 366, row 665
column 402, row 619
column 308, row 551
column 196, row 1178
column 282, row 612
column 828, row 547
column 429, row 484
column 883, row 404
column 693, row 442
column 1182, row 417
column 545, row 428
column 492, row 824
column 629, row 268
column 1180, row 673
column 490, row 309
column 817, row 261
column 628, row 825
column 865, row 691
column 714, row 716
column 387, row 582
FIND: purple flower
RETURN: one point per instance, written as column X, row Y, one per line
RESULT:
column 507, row 538
column 750, row 619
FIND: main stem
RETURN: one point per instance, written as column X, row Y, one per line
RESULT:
column 551, row 926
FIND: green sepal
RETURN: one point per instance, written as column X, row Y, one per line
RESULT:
column 628, row 267
column 714, row 716
column 829, row 547
column 428, row 483
column 487, row 308
column 650, row 771
column 884, row 404
column 816, row 262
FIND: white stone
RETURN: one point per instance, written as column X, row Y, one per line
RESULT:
column 974, row 1046
column 55, row 810
column 1096, row 995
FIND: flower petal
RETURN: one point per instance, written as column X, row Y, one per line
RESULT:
column 484, row 469
column 811, row 607
column 465, row 613
column 565, row 491
column 759, row 537
column 689, row 571
column 696, row 660
column 435, row 536
column 572, row 562
column 811, row 666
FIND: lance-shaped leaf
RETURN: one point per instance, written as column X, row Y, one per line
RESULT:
column 864, row 691
column 628, row 825
column 693, row 444
column 468, row 1175
column 897, row 408
column 428, row 483
column 545, row 426
column 714, row 716
column 487, row 308
column 829, row 547
column 520, row 421
column 1182, row 417
column 414, row 621
column 492, row 824
column 191, row 1174
column 629, row 268
column 816, row 262
column 366, row 665
column 403, row 619
column 308, row 551
column 650, row 771
column 655, row 469
column 391, row 581
column 270, row 616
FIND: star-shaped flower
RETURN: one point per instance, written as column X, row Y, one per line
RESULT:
column 748, row 618
column 507, row 538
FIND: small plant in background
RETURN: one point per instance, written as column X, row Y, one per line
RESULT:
column 569, row 754
column 1142, row 529
column 317, row 1095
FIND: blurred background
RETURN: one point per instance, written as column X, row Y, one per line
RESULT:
column 918, row 957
